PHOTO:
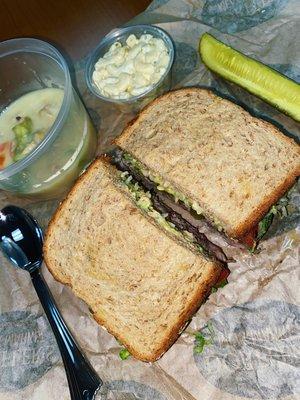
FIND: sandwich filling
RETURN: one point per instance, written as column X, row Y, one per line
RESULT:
column 173, row 217
column 150, row 203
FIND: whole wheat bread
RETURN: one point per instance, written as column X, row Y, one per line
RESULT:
column 140, row 284
column 234, row 165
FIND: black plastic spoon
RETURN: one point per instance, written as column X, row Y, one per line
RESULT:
column 21, row 240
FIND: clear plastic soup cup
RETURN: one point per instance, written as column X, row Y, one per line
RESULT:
column 51, row 168
column 135, row 103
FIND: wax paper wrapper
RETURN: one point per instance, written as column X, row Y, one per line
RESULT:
column 244, row 341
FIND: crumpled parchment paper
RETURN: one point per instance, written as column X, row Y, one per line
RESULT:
column 251, row 326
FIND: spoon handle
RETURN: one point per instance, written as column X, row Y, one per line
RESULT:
column 82, row 378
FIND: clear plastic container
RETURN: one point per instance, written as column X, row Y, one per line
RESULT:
column 120, row 35
column 50, row 169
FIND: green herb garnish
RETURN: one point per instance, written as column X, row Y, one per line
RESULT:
column 124, row 354
column 202, row 340
column 265, row 223
column 219, row 285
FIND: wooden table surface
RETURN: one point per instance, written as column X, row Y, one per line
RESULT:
column 76, row 26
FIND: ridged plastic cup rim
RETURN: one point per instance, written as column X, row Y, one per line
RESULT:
column 30, row 45
column 111, row 38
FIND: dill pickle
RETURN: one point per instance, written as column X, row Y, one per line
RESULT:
column 257, row 78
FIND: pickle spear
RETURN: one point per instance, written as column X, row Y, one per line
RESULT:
column 257, row 78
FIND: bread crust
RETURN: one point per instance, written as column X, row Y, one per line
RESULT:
column 251, row 221
column 190, row 309
column 193, row 306
column 257, row 215
column 55, row 216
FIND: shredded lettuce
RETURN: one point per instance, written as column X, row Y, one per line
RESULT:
column 265, row 223
column 280, row 209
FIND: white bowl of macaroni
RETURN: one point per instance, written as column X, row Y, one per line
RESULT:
column 131, row 65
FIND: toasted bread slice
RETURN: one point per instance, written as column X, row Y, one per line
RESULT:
column 235, row 166
column 141, row 284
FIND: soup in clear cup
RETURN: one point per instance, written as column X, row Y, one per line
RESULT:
column 46, row 135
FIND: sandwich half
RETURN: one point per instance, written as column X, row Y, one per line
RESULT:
column 212, row 158
column 141, row 277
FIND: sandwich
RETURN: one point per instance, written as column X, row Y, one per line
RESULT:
column 141, row 276
column 208, row 159
column 128, row 238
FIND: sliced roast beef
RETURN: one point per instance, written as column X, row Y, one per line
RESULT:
column 182, row 224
